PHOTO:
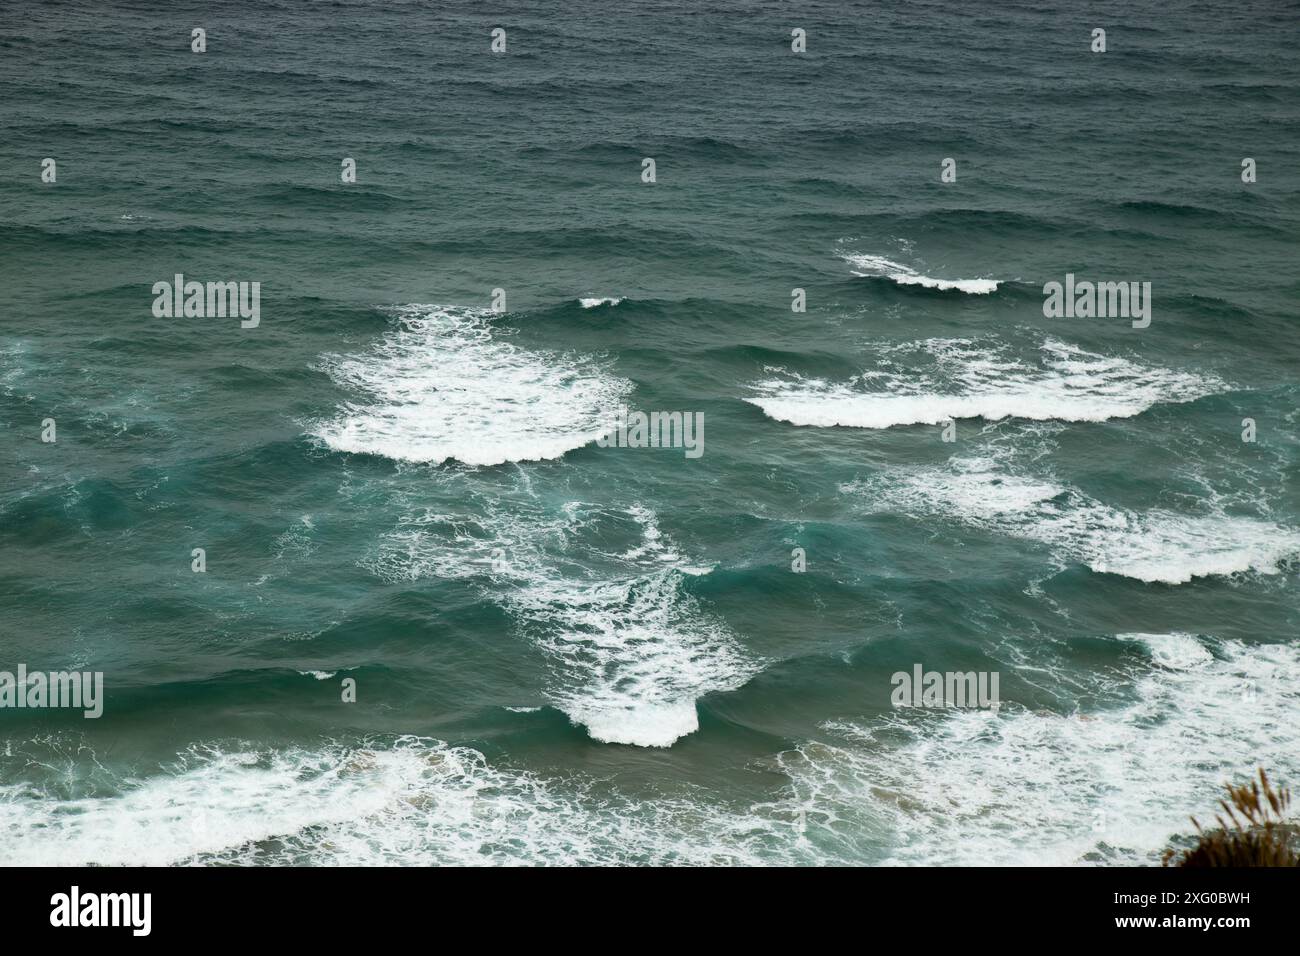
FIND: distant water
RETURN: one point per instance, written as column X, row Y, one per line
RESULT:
column 568, row 653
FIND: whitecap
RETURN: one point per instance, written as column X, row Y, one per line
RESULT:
column 1152, row 546
column 631, row 650
column 384, row 801
column 1177, row 651
column 970, row 380
column 445, row 385
column 905, row 275
column 1111, row 784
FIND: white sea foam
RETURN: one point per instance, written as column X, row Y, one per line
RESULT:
column 1151, row 546
column 631, row 650
column 1176, row 651
column 591, row 303
column 964, row 379
column 404, row 800
column 866, row 265
column 1112, row 783
column 1106, row 785
column 446, row 385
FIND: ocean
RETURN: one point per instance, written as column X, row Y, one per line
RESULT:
column 365, row 582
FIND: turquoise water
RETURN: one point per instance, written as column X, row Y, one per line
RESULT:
column 567, row 653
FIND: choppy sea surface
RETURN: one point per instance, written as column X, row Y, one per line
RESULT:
column 566, row 653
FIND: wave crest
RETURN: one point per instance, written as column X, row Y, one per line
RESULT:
column 880, row 267
column 631, row 651
column 1156, row 546
column 967, row 380
column 1109, row 784
column 444, row 385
